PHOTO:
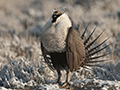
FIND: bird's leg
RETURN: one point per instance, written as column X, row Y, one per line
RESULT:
column 67, row 76
column 59, row 76
column 67, row 79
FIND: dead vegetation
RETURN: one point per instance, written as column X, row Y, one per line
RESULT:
column 20, row 25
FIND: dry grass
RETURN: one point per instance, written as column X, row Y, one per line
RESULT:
column 21, row 20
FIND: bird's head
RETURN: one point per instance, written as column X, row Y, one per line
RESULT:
column 60, row 17
column 58, row 20
column 55, row 16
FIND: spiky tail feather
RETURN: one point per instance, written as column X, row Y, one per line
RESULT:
column 91, row 51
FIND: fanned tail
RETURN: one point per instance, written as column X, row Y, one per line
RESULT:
column 90, row 44
column 82, row 36
column 86, row 41
column 92, row 51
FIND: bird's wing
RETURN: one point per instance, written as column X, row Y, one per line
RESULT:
column 75, row 50
column 46, row 58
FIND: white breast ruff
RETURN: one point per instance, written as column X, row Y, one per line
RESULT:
column 53, row 43
column 54, row 36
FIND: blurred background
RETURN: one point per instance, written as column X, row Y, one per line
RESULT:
column 22, row 20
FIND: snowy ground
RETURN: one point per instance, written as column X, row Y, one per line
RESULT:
column 22, row 66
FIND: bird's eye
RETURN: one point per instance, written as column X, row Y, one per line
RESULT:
column 56, row 12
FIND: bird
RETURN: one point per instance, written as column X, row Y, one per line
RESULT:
column 63, row 48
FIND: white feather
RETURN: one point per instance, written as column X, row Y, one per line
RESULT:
column 54, row 34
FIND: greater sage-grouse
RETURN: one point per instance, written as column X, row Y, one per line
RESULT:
column 64, row 49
